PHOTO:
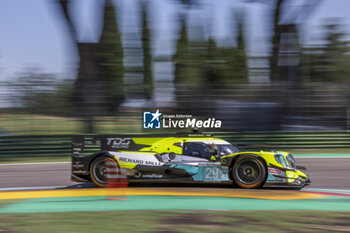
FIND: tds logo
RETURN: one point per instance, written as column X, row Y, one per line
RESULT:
column 151, row 120
column 118, row 143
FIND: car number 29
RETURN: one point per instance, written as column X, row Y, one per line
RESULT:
column 214, row 173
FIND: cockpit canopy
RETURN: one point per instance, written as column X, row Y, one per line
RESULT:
column 208, row 149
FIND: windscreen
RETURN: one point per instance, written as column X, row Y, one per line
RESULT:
column 223, row 149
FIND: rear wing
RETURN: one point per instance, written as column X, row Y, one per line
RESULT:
column 90, row 144
column 78, row 144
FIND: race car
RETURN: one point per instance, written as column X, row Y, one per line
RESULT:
column 193, row 157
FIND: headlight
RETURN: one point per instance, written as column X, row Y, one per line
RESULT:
column 291, row 161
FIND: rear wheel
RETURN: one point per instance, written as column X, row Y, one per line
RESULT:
column 249, row 172
column 98, row 170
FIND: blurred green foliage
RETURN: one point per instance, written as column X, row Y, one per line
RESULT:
column 38, row 92
column 147, row 56
column 228, row 65
column 328, row 62
column 110, row 58
column 205, row 73
column 203, row 62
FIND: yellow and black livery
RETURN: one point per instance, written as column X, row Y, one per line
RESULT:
column 193, row 157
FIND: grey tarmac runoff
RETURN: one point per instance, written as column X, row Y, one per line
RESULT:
column 332, row 173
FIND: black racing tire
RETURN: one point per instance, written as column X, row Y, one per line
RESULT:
column 98, row 170
column 249, row 172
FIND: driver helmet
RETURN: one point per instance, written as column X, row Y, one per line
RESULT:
column 213, row 149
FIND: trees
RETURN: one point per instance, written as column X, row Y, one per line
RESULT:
column 329, row 62
column 285, row 52
column 147, row 56
column 182, row 55
column 190, row 73
column 229, row 63
column 276, row 38
column 240, row 53
column 100, row 72
column 39, row 92
column 110, row 61
column 203, row 69
column 203, row 61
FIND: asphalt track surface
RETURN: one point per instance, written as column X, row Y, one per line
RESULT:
column 328, row 173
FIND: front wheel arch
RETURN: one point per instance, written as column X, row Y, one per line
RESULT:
column 237, row 158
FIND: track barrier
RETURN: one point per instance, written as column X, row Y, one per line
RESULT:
column 60, row 145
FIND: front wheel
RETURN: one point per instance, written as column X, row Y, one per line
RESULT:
column 249, row 172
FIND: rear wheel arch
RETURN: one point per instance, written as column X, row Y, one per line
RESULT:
column 99, row 155
column 95, row 159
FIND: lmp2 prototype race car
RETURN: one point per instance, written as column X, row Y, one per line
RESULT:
column 193, row 157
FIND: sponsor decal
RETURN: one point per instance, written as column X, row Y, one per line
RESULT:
column 76, row 151
column 214, row 173
column 78, row 166
column 158, row 120
column 274, row 171
column 80, row 172
column 153, row 176
column 118, row 143
column 139, row 161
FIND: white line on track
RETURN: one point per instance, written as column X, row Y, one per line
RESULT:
column 322, row 157
column 325, row 190
column 29, row 164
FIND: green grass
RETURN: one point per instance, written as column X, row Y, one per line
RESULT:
column 177, row 221
column 25, row 124
column 6, row 202
column 36, row 124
